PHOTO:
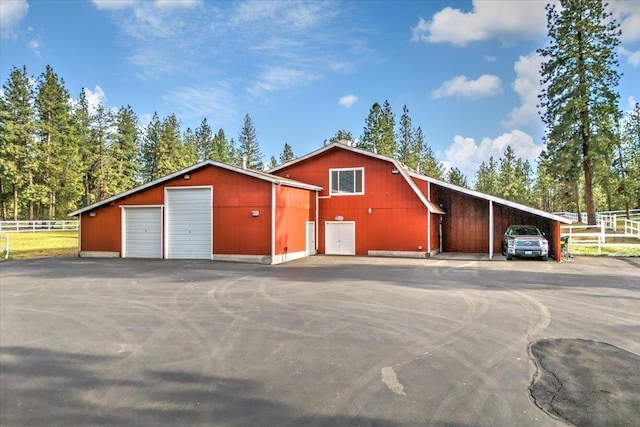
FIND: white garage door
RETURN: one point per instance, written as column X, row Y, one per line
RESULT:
column 142, row 232
column 340, row 238
column 188, row 223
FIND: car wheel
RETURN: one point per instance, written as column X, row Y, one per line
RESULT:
column 509, row 257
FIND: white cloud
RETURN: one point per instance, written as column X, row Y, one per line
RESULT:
column 631, row 103
column 275, row 79
column 527, row 86
column 466, row 155
column 627, row 13
column 175, row 4
column 35, row 45
column 94, row 97
column 217, row 103
column 489, row 58
column 487, row 19
column 11, row 13
column 632, row 57
column 160, row 4
column 485, row 85
column 348, row 100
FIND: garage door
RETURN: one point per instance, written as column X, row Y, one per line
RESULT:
column 188, row 223
column 340, row 238
column 142, row 232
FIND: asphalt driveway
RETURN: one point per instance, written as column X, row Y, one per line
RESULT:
column 319, row 341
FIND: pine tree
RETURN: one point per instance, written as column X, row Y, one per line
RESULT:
column 487, row 179
column 628, row 156
column 170, row 153
column 82, row 124
column 189, row 155
column 204, row 141
column 456, row 177
column 406, row 142
column 101, row 141
column 123, row 153
column 149, row 150
column 287, row 154
column 223, row 150
column 427, row 163
column 341, row 135
column 249, row 146
column 17, row 129
column 579, row 74
column 273, row 162
column 60, row 162
column 379, row 132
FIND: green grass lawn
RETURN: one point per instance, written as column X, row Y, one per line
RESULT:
column 42, row 244
column 622, row 250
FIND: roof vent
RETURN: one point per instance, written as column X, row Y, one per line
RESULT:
column 244, row 162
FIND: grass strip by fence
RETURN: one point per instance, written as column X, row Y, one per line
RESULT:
column 46, row 244
column 606, row 250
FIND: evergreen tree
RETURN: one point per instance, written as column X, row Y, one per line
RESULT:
column 273, row 162
column 169, row 149
column 287, row 154
column 379, row 131
column 189, row 155
column 204, row 141
column 149, row 150
column 60, row 162
column 124, row 163
column 82, row 122
column 17, row 150
column 456, row 177
column 628, row 157
column 223, row 150
column 249, row 146
column 341, row 135
column 579, row 74
column 487, row 179
column 101, row 141
column 427, row 163
column 407, row 153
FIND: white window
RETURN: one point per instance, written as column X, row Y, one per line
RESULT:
column 346, row 181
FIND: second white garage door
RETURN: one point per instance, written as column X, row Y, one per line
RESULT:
column 188, row 214
column 340, row 238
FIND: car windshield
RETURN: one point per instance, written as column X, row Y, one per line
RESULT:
column 524, row 231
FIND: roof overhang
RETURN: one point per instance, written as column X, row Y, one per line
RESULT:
column 493, row 199
column 255, row 174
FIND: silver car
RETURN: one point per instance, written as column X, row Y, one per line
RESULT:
column 525, row 241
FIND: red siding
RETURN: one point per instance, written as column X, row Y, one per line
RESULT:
column 294, row 207
column 235, row 230
column 398, row 220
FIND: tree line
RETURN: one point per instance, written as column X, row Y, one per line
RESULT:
column 57, row 153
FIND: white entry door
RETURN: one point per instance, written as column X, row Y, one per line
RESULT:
column 142, row 232
column 189, row 222
column 311, row 238
column 340, row 238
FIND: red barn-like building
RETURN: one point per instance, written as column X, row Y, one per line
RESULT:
column 207, row 211
column 337, row 200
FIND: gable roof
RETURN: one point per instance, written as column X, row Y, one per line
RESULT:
column 252, row 173
column 432, row 207
column 491, row 198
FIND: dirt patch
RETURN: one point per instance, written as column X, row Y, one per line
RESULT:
column 587, row 383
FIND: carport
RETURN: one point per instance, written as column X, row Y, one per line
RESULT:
column 475, row 222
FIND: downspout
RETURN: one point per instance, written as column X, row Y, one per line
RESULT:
column 490, row 229
column 273, row 223
column 79, row 234
column 317, row 225
column 428, row 220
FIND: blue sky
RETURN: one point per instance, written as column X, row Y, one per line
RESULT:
column 467, row 71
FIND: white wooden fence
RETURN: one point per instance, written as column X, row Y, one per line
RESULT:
column 609, row 218
column 599, row 238
column 33, row 226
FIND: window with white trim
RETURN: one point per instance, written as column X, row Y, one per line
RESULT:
column 346, row 181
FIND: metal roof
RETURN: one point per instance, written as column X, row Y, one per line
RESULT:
column 491, row 198
column 433, row 208
column 253, row 173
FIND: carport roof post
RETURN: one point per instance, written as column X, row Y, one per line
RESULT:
column 256, row 174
